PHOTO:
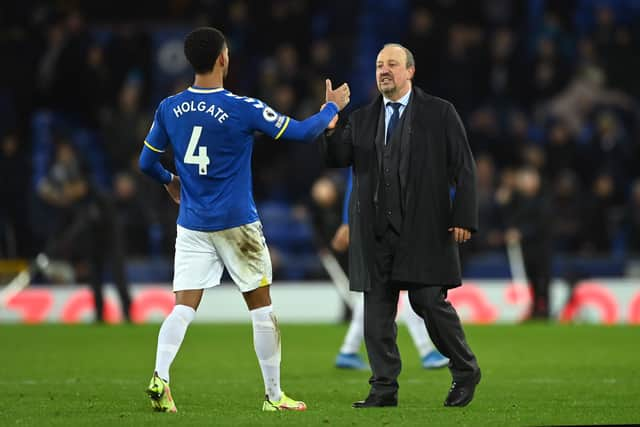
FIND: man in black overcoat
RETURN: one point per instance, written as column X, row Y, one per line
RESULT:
column 413, row 201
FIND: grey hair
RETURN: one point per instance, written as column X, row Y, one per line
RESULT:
column 410, row 60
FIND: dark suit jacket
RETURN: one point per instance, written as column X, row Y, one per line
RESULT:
column 435, row 157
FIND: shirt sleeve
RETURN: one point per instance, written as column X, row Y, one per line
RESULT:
column 157, row 139
column 263, row 118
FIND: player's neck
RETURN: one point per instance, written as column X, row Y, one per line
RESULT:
column 209, row 81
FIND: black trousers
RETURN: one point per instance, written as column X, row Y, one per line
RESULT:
column 380, row 330
column 537, row 264
column 108, row 253
column 94, row 228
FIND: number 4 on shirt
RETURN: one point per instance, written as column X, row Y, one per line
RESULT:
column 190, row 158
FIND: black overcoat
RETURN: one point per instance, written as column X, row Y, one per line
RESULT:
column 435, row 160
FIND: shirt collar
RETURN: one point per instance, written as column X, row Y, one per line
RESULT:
column 404, row 100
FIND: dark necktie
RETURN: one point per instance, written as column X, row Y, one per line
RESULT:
column 393, row 121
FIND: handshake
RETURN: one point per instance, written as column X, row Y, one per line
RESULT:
column 339, row 96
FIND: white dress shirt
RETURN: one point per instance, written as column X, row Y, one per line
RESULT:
column 388, row 109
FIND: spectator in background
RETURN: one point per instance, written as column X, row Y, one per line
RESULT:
column 517, row 137
column 14, row 172
column 241, row 44
column 622, row 63
column 554, row 27
column 456, row 79
column 426, row 40
column 504, row 71
column 611, row 150
column 326, row 212
column 64, row 186
column 561, row 150
column 321, row 61
column 567, row 227
column 268, row 78
column 289, row 72
column 587, row 55
column 85, row 225
column 125, row 126
column 489, row 235
column 533, row 156
column 134, row 214
column 505, row 192
column 605, row 27
column 548, row 73
column 73, row 64
column 596, row 235
column 528, row 224
column 484, row 131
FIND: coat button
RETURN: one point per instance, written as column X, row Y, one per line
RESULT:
column 389, row 212
column 387, row 170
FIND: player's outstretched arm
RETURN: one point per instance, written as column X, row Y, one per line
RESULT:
column 264, row 119
column 310, row 128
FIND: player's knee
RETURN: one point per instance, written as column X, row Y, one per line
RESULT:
column 257, row 298
column 269, row 324
column 190, row 298
column 184, row 313
column 421, row 303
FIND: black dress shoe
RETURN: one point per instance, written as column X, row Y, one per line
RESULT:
column 461, row 392
column 376, row 402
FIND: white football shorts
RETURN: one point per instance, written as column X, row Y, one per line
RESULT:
column 201, row 257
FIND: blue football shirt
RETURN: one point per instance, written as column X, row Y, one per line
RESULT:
column 211, row 132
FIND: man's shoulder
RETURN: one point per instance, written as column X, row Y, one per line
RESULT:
column 176, row 97
column 170, row 102
column 371, row 107
column 431, row 101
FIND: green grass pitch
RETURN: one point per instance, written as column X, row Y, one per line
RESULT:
column 95, row 375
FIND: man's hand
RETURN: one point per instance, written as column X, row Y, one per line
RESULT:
column 340, row 241
column 340, row 96
column 332, row 124
column 460, row 235
column 173, row 188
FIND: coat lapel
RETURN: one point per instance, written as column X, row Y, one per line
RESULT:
column 370, row 122
column 405, row 147
column 380, row 136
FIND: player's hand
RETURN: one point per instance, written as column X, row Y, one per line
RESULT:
column 340, row 241
column 332, row 124
column 173, row 188
column 340, row 95
column 460, row 234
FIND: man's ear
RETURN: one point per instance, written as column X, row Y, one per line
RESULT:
column 221, row 61
column 412, row 71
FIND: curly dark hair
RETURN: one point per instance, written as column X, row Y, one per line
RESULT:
column 202, row 47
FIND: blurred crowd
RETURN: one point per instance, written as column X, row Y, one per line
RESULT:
column 546, row 89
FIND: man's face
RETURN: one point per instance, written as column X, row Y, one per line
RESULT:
column 392, row 74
